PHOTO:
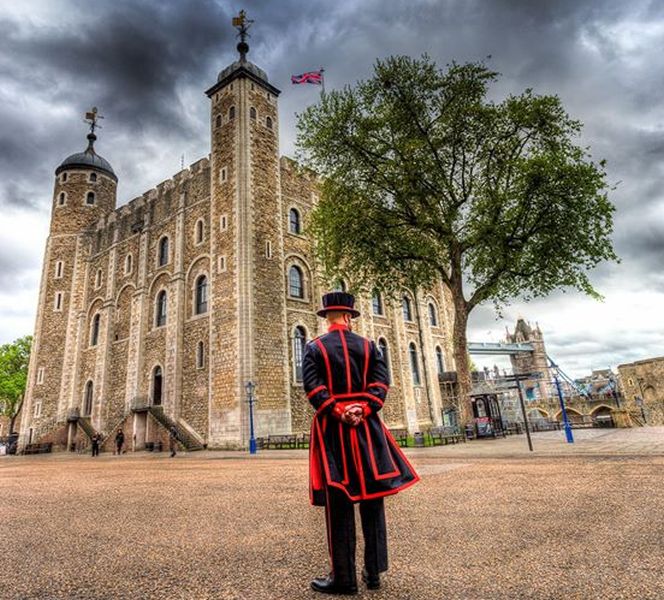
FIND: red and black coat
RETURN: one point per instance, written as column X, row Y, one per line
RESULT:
column 338, row 368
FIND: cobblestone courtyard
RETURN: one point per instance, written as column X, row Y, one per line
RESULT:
column 488, row 520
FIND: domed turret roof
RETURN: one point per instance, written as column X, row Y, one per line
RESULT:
column 242, row 63
column 87, row 159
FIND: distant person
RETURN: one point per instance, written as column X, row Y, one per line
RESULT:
column 119, row 441
column 172, row 440
column 96, row 440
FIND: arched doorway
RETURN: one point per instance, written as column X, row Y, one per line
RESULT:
column 157, row 386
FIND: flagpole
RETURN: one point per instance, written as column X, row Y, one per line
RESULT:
column 322, row 77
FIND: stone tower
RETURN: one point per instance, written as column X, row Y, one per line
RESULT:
column 84, row 192
column 247, row 329
column 531, row 363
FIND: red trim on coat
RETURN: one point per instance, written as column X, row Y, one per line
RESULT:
column 366, row 363
column 326, row 358
column 349, row 383
column 378, row 476
column 316, row 390
column 346, row 479
column 335, row 326
column 380, row 385
column 328, row 526
column 323, row 406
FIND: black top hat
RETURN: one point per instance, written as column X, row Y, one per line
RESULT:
column 341, row 301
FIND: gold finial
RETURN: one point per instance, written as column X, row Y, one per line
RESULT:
column 242, row 24
column 92, row 117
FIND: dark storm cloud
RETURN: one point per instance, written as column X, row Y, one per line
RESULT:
column 147, row 63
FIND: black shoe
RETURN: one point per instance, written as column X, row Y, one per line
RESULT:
column 372, row 581
column 327, row 585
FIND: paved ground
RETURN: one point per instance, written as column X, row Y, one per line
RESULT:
column 578, row 523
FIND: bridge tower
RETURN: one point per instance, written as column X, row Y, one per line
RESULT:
column 535, row 362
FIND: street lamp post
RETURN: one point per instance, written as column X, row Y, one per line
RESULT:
column 250, row 386
column 568, row 429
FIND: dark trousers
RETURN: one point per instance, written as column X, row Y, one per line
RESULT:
column 95, row 449
column 340, row 523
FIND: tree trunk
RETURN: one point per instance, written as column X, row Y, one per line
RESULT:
column 460, row 344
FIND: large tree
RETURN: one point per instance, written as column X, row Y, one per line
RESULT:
column 14, row 359
column 425, row 177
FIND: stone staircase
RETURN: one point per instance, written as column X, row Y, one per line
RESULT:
column 184, row 437
column 85, row 424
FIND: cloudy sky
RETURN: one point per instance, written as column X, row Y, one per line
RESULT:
column 146, row 64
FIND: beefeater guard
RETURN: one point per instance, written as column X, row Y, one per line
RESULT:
column 353, row 458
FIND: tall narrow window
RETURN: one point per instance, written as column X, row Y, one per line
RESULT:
column 201, row 295
column 40, row 375
column 268, row 123
column 161, row 309
column 296, row 289
column 377, row 304
column 61, row 198
column 252, row 113
column 58, row 269
column 218, row 121
column 64, row 177
column 294, row 221
column 382, row 348
column 268, row 249
column 90, row 198
column 58, row 301
column 157, row 382
column 339, row 286
column 200, row 355
column 98, row 279
column 433, row 318
column 87, row 403
column 93, row 177
column 231, row 112
column 439, row 360
column 299, row 340
column 199, row 231
column 163, row 251
column 407, row 308
column 128, row 264
column 414, row 365
column 94, row 333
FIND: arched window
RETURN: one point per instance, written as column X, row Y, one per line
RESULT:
column 199, row 231
column 231, row 113
column 87, row 403
column 163, row 251
column 414, row 365
column 200, row 355
column 160, row 318
column 339, row 286
column 299, row 340
column 252, row 113
column 93, row 177
column 157, row 384
column 294, row 221
column 295, row 287
column 128, row 263
column 94, row 333
column 382, row 348
column 98, row 279
column 64, row 177
column 61, row 198
column 433, row 318
column 377, row 304
column 440, row 364
column 90, row 198
column 218, row 121
column 201, row 295
column 268, row 123
column 407, row 308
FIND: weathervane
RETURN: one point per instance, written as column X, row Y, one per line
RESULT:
column 91, row 117
column 242, row 24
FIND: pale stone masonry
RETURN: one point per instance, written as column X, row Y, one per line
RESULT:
column 118, row 329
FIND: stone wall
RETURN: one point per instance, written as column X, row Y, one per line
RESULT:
column 644, row 379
